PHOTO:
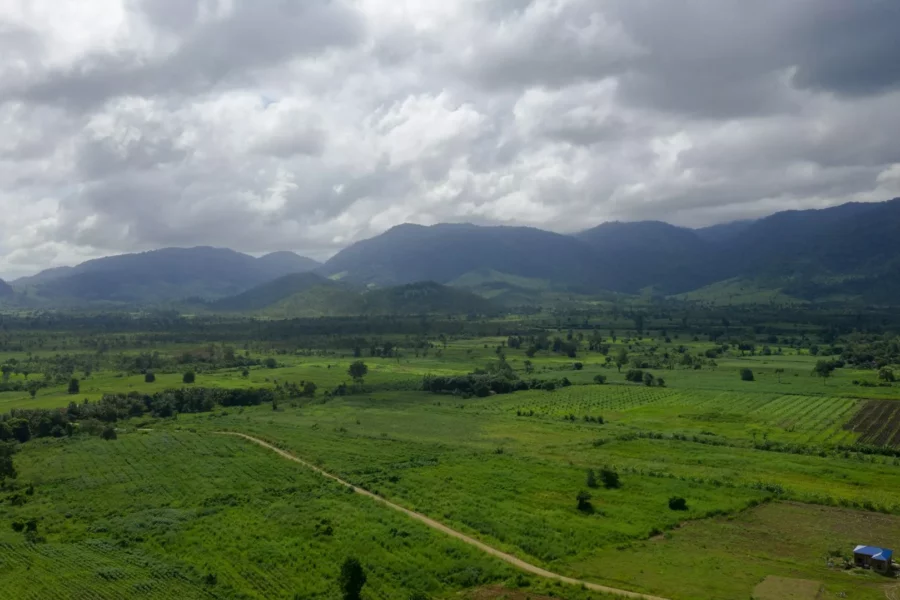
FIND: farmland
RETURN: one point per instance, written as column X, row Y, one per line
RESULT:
column 779, row 474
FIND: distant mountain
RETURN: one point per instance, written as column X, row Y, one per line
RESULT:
column 162, row 275
column 273, row 292
column 6, row 290
column 653, row 254
column 42, row 277
column 441, row 253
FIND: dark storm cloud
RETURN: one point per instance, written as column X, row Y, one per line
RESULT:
column 262, row 124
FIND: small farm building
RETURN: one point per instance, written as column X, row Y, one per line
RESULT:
column 871, row 557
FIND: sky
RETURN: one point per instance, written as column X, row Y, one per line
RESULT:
column 306, row 125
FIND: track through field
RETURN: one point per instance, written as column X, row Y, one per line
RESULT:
column 509, row 558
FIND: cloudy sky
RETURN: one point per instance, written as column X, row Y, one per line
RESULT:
column 308, row 124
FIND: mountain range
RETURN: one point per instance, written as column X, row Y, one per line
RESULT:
column 845, row 252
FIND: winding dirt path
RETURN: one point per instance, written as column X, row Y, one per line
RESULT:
column 516, row 562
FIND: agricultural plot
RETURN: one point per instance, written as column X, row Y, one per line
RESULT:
column 877, row 423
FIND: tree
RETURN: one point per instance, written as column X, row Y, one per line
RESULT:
column 591, row 481
column 779, row 372
column 270, row 363
column 532, row 350
column 149, row 377
column 358, row 370
column 7, row 468
column 599, row 379
column 649, row 379
column 677, row 503
column 660, row 382
column 245, row 373
column 309, row 389
column 352, row 579
column 189, row 377
column 823, row 369
column 621, row 359
column 634, row 375
column 746, row 374
column 33, row 387
column 610, row 479
column 578, row 366
column 74, row 386
column 529, row 367
column 6, row 370
column 21, row 429
column 886, row 375
column 109, row 433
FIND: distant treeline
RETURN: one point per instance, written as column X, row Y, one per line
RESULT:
column 481, row 385
column 92, row 417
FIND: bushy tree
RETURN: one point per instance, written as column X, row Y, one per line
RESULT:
column 823, row 369
column 578, row 366
column 358, row 370
column 591, row 480
column 109, row 433
column 649, row 379
column 149, row 377
column 352, row 579
column 270, row 363
column 74, row 386
column 599, row 379
column 635, row 375
column 621, row 359
column 746, row 374
column 189, row 377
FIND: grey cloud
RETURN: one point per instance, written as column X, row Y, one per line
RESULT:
column 258, row 34
column 309, row 125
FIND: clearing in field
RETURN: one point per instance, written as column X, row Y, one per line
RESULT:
column 785, row 588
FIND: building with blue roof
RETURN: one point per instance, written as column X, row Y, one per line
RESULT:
column 873, row 557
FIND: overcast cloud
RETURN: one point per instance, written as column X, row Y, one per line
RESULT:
column 309, row 124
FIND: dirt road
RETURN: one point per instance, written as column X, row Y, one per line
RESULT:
column 516, row 562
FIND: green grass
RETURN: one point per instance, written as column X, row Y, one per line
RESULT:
column 154, row 513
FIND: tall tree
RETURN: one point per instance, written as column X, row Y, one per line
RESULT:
column 352, row 579
column 621, row 359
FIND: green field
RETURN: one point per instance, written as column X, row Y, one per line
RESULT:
column 781, row 476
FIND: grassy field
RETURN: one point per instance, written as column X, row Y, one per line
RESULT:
column 776, row 489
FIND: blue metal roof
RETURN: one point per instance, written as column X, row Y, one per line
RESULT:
column 875, row 552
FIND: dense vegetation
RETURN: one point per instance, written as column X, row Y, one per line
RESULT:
column 578, row 439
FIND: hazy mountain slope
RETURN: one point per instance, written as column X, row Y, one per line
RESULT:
column 654, row 254
column 723, row 232
column 272, row 292
column 288, row 262
column 162, row 275
column 410, row 253
column 6, row 290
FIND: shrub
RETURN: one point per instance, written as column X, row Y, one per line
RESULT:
column 109, row 434
column 74, row 386
column 649, row 379
column 584, row 501
column 578, row 366
column 591, row 479
column 599, row 379
column 610, row 479
column 746, row 374
column 270, row 363
column 189, row 377
column 677, row 503
column 149, row 377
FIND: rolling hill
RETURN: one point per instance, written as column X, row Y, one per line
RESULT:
column 273, row 292
column 6, row 290
column 310, row 295
column 161, row 275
